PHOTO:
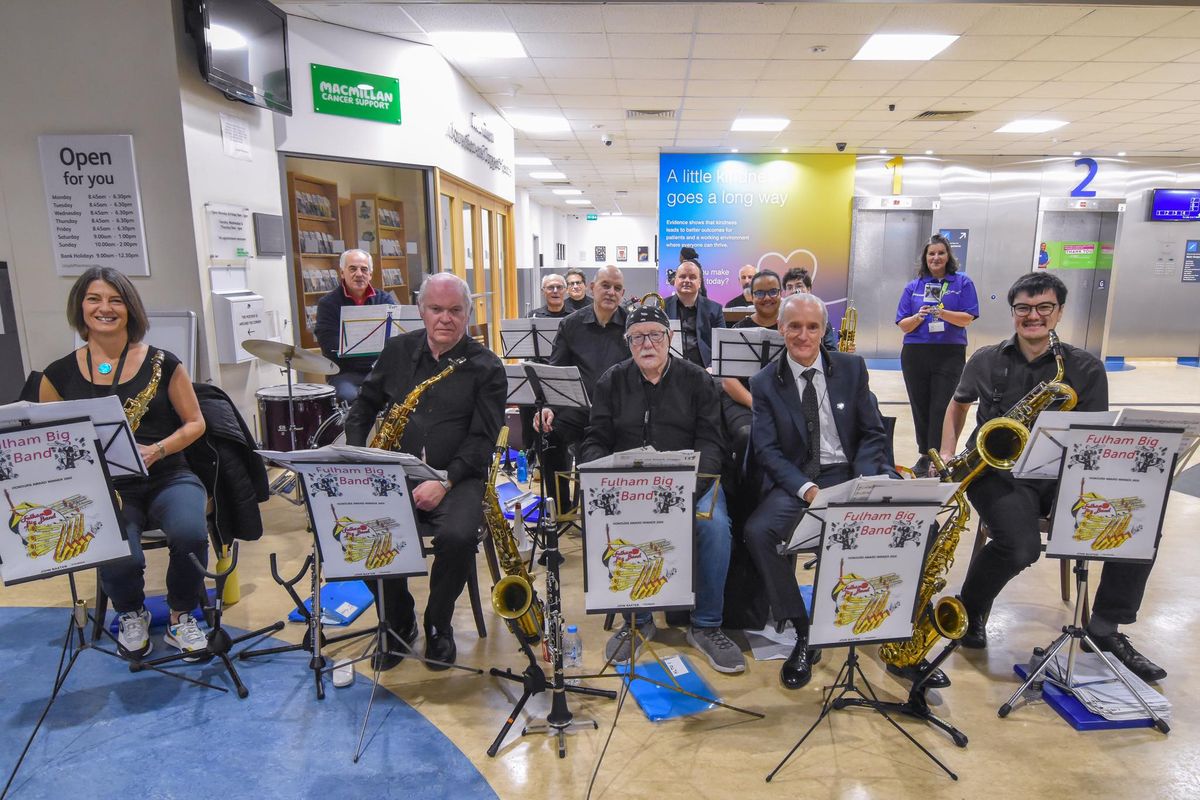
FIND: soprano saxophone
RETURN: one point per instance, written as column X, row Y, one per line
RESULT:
column 998, row 444
column 513, row 597
column 391, row 430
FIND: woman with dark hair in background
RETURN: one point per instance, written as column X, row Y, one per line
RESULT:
column 105, row 310
column 934, row 311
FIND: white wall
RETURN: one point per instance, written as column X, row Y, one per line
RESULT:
column 626, row 231
column 432, row 97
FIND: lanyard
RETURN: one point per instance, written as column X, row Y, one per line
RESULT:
column 116, row 375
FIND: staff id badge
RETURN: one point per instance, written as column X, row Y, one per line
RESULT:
column 937, row 326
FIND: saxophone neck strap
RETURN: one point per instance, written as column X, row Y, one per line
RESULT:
column 116, row 374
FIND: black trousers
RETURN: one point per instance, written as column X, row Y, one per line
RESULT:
column 772, row 524
column 568, row 430
column 455, row 527
column 1011, row 508
column 931, row 372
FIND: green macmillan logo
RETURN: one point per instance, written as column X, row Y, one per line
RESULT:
column 349, row 93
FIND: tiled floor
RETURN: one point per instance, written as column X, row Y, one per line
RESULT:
column 719, row 754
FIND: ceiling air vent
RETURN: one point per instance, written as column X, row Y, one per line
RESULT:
column 943, row 116
column 643, row 113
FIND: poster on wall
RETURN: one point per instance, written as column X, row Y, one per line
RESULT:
column 771, row 211
column 61, row 516
column 601, row 253
column 1069, row 255
column 228, row 233
column 93, row 203
column 622, row 253
column 1112, row 490
column 643, row 254
column 959, row 239
column 868, row 573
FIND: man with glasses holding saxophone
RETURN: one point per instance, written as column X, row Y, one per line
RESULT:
column 654, row 399
column 998, row 376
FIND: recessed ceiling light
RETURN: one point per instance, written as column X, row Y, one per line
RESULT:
column 568, row 191
column 1031, row 126
column 903, row 47
column 471, row 45
column 783, row 149
column 538, row 123
column 733, row 149
column 769, row 124
column 548, row 176
column 579, row 202
column 1121, row 153
column 531, row 161
column 1077, row 153
column 883, row 151
column 928, row 152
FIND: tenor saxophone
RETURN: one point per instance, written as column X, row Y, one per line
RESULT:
column 513, row 597
column 998, row 444
column 137, row 406
column 848, row 330
column 391, row 430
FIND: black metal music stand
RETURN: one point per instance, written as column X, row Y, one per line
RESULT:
column 560, row 720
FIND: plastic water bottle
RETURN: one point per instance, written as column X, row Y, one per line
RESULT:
column 572, row 646
column 522, row 467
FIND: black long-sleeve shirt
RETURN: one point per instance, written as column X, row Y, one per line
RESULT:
column 584, row 343
column 680, row 412
column 456, row 421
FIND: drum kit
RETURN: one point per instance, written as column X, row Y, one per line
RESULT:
column 296, row 416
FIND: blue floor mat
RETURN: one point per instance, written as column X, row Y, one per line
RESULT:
column 115, row 734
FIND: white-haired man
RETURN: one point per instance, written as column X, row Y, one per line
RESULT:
column 554, row 292
column 354, row 289
column 454, row 428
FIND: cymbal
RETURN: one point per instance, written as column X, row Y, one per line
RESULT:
column 279, row 353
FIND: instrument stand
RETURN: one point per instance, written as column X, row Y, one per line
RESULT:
column 219, row 640
column 560, row 720
column 917, row 706
column 1077, row 632
column 314, row 638
column 380, row 646
column 836, row 700
column 75, row 643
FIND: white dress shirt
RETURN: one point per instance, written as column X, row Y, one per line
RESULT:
column 831, row 451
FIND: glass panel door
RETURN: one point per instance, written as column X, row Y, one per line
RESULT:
column 447, row 234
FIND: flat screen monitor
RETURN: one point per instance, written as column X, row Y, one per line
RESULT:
column 1175, row 205
column 243, row 50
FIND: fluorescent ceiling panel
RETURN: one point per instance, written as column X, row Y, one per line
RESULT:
column 904, row 46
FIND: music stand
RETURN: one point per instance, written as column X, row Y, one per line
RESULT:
column 1139, row 462
column 742, row 352
column 528, row 337
column 364, row 330
column 64, row 514
column 892, row 541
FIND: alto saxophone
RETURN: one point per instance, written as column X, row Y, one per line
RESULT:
column 998, row 444
column 848, row 330
column 513, row 597
column 391, row 430
column 137, row 406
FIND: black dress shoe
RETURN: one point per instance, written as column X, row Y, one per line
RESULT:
column 385, row 661
column 440, row 647
column 976, row 636
column 1118, row 644
column 914, row 673
column 796, row 671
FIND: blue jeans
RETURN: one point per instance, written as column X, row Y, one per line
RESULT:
column 713, row 541
column 174, row 503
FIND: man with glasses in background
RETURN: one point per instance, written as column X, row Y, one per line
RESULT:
column 554, row 291
column 998, row 376
column 577, row 296
column 656, row 400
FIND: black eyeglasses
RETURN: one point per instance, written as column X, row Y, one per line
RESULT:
column 555, row 288
column 1024, row 309
column 574, row 283
column 763, row 294
column 638, row 339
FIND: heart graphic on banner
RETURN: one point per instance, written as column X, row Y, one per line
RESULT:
column 767, row 262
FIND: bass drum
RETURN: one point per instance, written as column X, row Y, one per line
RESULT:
column 312, row 404
column 332, row 430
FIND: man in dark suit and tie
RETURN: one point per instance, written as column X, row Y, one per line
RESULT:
column 815, row 426
column 697, row 314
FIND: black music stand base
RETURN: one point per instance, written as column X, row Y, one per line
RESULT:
column 1078, row 633
column 836, row 700
column 917, row 707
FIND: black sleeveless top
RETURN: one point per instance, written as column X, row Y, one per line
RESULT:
column 160, row 420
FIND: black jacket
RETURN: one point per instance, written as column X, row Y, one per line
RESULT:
column 232, row 473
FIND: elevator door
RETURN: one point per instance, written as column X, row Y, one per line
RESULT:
column 1085, row 314
column 883, row 257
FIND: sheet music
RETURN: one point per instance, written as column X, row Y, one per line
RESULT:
column 1148, row 418
column 530, row 337
column 866, row 489
column 677, row 338
column 739, row 352
column 1042, row 455
column 646, row 457
column 117, row 445
column 414, row 467
column 561, row 386
column 364, row 330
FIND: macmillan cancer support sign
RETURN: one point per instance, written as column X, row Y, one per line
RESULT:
column 349, row 93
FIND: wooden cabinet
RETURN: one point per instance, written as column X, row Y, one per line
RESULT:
column 317, row 242
column 379, row 223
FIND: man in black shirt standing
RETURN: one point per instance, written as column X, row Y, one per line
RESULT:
column 592, row 339
column 743, row 300
column 453, row 428
column 998, row 376
column 554, row 291
column 354, row 289
column 656, row 400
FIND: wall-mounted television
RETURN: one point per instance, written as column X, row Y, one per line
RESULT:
column 242, row 45
column 1175, row 205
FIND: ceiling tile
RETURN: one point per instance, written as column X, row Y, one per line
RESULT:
column 1136, row 91
column 565, row 45
column 787, row 88
column 651, row 68
column 718, row 88
column 837, row 18
column 1169, row 73
column 955, row 70
column 926, row 89
column 726, row 69
column 645, row 86
column 1066, row 89
column 593, row 114
column 1189, row 92
column 1026, row 19
column 1158, row 50
column 510, row 86
column 499, row 67
column 799, row 46
column 734, row 45
column 518, row 101
column 857, row 88
column 574, row 67
column 646, row 18
column 1108, row 71
column 840, row 103
column 1072, row 48
column 809, row 70
column 877, row 70
column 1092, row 104
column 573, row 86
column 452, row 17
column 994, row 88
column 650, row 45
column 988, row 48
column 377, row 19
column 564, row 19
column 929, row 18
column 1122, row 21
column 1188, row 25
column 1029, row 71
column 741, row 17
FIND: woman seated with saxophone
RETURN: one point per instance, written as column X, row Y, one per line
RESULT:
column 107, row 313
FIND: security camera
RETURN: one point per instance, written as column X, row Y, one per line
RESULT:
column 841, row 146
column 891, row 106
column 607, row 140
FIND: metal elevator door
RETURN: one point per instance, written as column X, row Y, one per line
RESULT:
column 1086, row 311
column 885, row 246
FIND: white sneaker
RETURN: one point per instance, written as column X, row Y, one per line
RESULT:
column 186, row 635
column 133, row 632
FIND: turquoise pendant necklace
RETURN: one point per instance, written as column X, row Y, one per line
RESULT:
column 104, row 368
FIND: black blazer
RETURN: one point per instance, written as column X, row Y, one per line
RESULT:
column 709, row 315
column 779, row 434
